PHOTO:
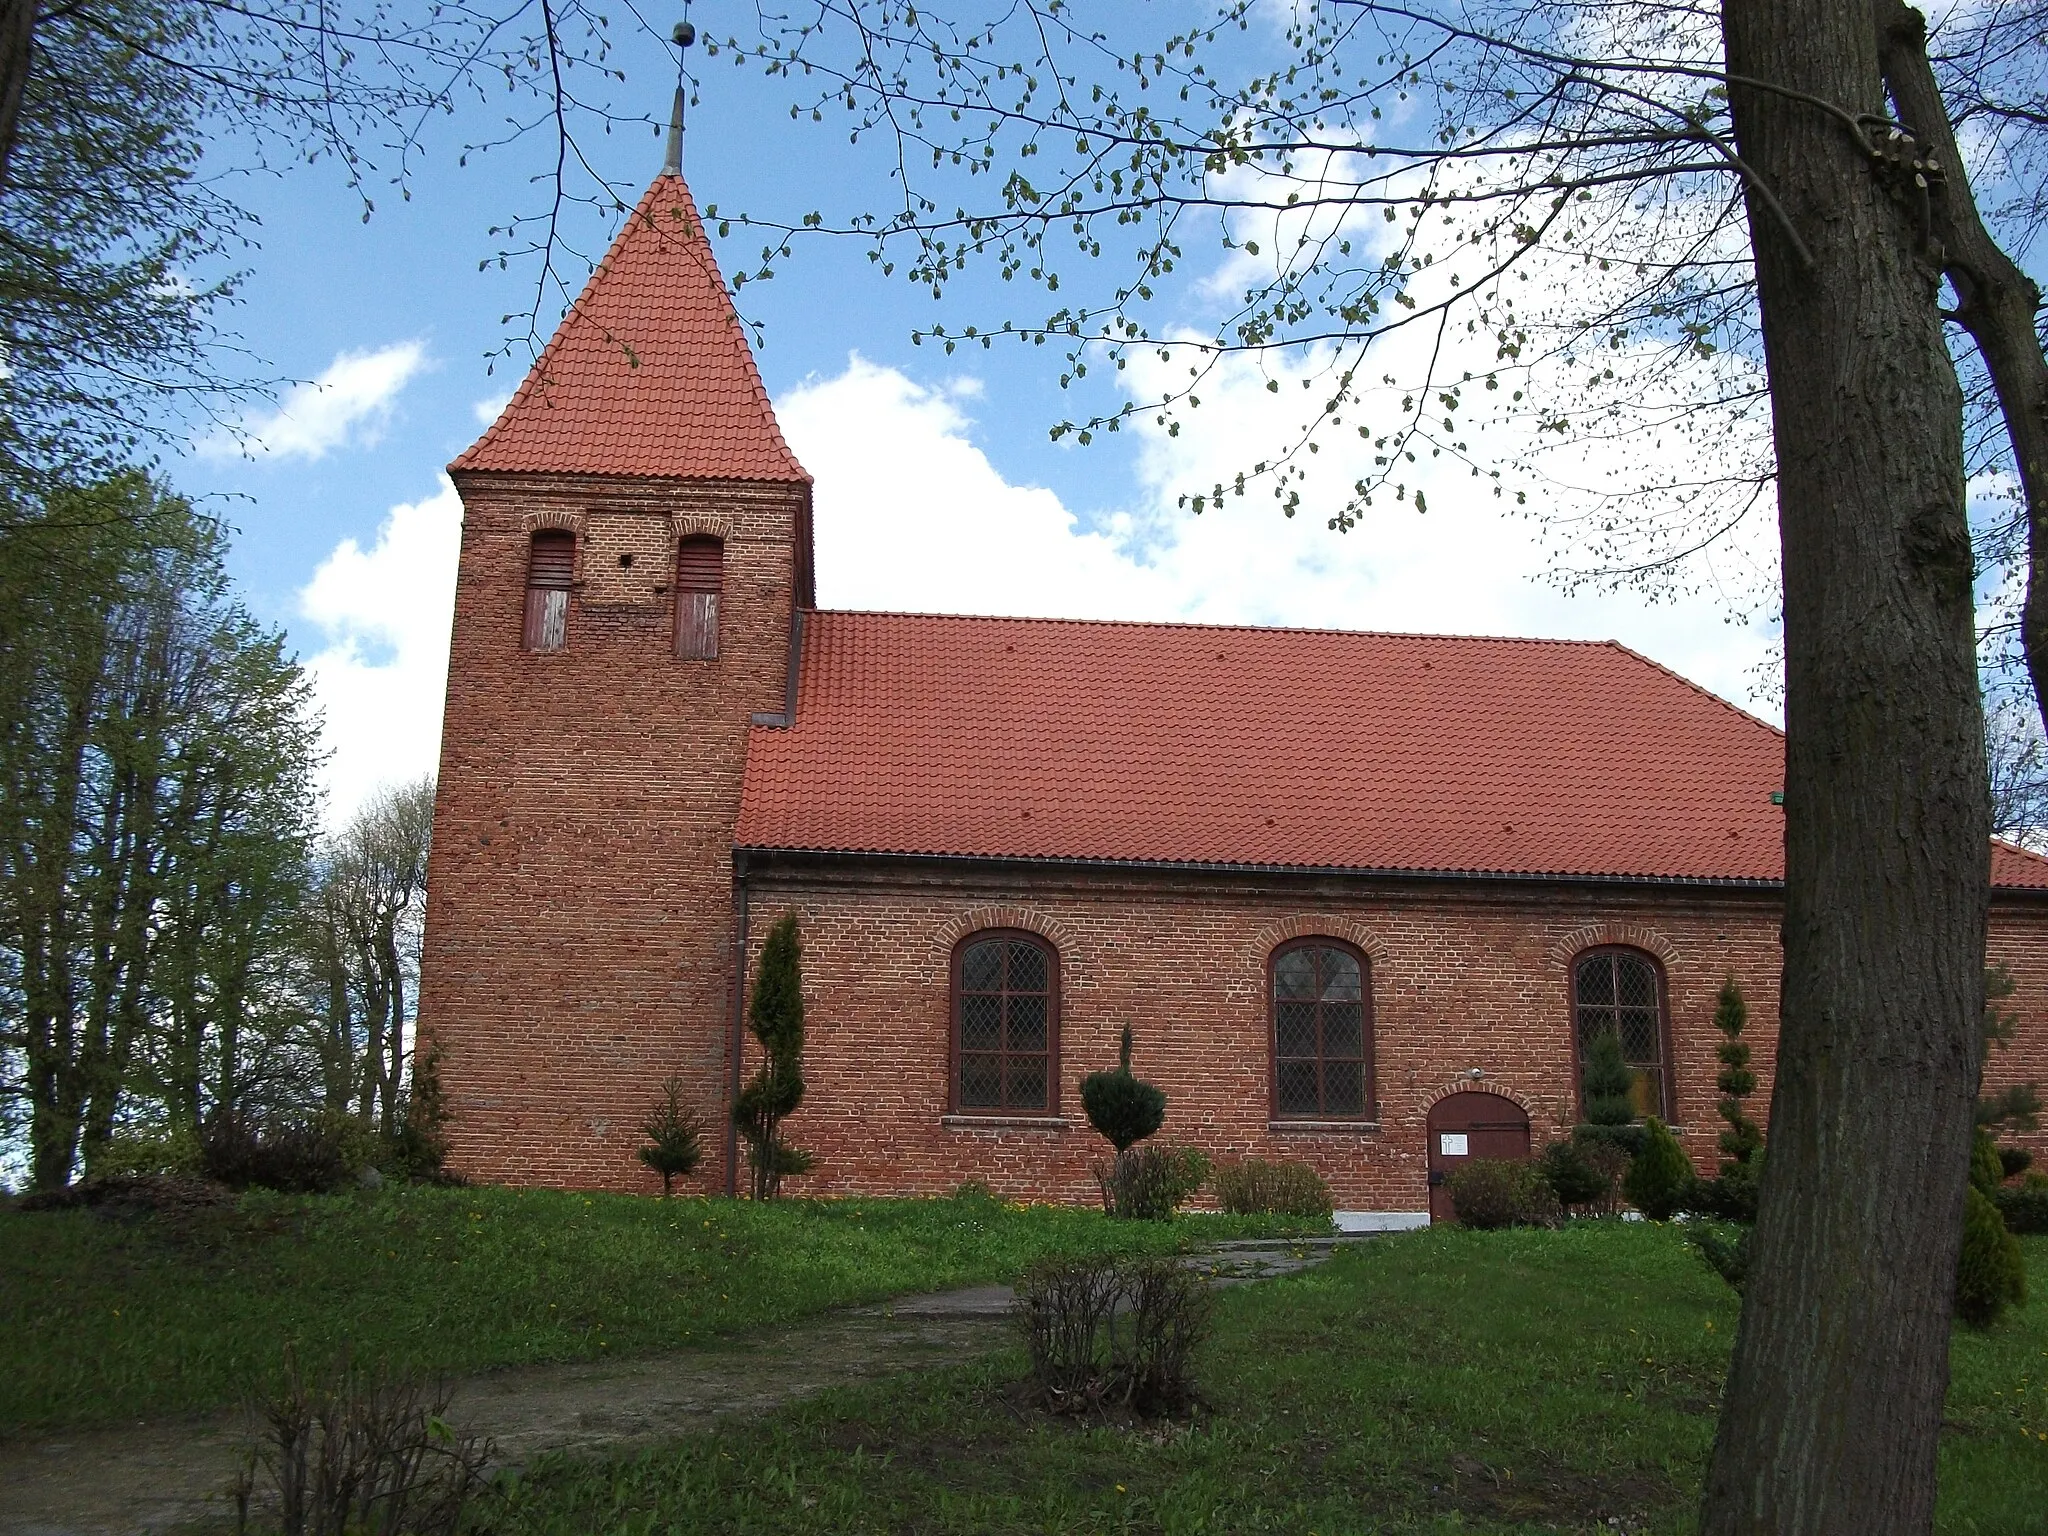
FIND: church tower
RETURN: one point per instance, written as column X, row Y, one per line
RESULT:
column 636, row 555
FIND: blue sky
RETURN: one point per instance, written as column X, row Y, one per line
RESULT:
column 937, row 486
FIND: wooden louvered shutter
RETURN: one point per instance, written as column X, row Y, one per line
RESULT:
column 550, row 569
column 700, row 571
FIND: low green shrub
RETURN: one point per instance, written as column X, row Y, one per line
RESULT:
column 675, row 1136
column 146, row 1154
column 1490, row 1192
column 1731, row 1197
column 2024, row 1207
column 313, row 1156
column 1987, row 1172
column 1151, row 1183
column 1726, row 1250
column 1661, row 1178
column 1254, row 1187
column 2015, row 1160
column 1574, row 1175
column 1991, row 1274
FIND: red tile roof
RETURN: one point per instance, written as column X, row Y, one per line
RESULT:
column 649, row 373
column 1179, row 743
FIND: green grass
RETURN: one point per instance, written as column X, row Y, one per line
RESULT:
column 106, row 1320
column 1436, row 1382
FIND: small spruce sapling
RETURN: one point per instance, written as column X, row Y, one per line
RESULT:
column 1122, row 1107
column 776, row 1017
column 1660, row 1179
column 1607, row 1081
column 675, row 1136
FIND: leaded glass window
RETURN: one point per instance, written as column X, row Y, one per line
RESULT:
column 1322, row 1032
column 1621, row 990
column 1005, row 1024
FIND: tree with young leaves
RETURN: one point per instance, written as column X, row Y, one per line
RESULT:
column 1656, row 229
column 157, row 750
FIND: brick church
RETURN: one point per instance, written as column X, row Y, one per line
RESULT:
column 1361, row 896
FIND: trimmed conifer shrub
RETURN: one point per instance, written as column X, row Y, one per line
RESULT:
column 1660, row 1179
column 1606, row 1079
column 1991, row 1273
column 1574, row 1176
column 1744, row 1137
column 1986, row 1171
column 776, row 1018
column 1124, row 1108
column 675, row 1136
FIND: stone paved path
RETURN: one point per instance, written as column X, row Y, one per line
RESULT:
column 158, row 1476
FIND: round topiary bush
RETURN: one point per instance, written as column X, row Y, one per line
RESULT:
column 1124, row 1108
column 1574, row 1177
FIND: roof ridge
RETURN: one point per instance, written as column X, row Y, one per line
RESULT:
column 1213, row 627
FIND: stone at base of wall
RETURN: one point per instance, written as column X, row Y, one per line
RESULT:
column 1381, row 1221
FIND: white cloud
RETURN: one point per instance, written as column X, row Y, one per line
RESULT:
column 912, row 515
column 382, row 671
column 349, row 402
column 490, row 408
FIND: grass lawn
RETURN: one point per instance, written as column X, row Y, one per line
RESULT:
column 1441, row 1381
column 105, row 1320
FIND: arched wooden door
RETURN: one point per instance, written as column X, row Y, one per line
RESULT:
column 1468, row 1125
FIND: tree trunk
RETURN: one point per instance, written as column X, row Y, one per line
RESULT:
column 1834, row 1397
column 1995, row 302
column 17, row 51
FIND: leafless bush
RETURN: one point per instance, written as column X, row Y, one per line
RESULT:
column 1108, row 1333
column 360, row 1455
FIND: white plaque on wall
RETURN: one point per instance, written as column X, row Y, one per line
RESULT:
column 1452, row 1143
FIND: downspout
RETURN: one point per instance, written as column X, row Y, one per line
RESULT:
column 739, row 1004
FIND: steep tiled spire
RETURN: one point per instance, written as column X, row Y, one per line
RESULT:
column 650, row 373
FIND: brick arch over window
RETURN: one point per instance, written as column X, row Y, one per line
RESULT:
column 1622, row 935
column 553, row 517
column 1256, row 954
column 1048, row 928
column 1624, row 987
column 704, row 525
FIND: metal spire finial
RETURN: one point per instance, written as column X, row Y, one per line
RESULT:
column 684, row 35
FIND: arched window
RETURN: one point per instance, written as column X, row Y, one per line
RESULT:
column 1006, row 1003
column 1322, row 1031
column 550, row 568
column 700, row 572
column 1623, row 990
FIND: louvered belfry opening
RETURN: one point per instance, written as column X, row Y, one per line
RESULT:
column 700, row 572
column 550, row 571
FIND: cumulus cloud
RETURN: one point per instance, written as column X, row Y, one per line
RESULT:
column 382, row 668
column 490, row 408
column 912, row 515
column 349, row 402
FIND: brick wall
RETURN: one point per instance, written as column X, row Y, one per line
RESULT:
column 1462, row 976
column 579, row 898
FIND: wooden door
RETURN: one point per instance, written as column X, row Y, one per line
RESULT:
column 1468, row 1125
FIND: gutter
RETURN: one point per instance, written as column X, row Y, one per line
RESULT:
column 739, row 1003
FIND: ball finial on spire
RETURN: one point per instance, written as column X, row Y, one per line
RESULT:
column 672, row 165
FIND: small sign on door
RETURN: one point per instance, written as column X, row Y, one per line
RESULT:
column 1451, row 1143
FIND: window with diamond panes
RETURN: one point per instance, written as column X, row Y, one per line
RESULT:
column 1005, row 1018
column 1622, row 990
column 1322, row 1032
